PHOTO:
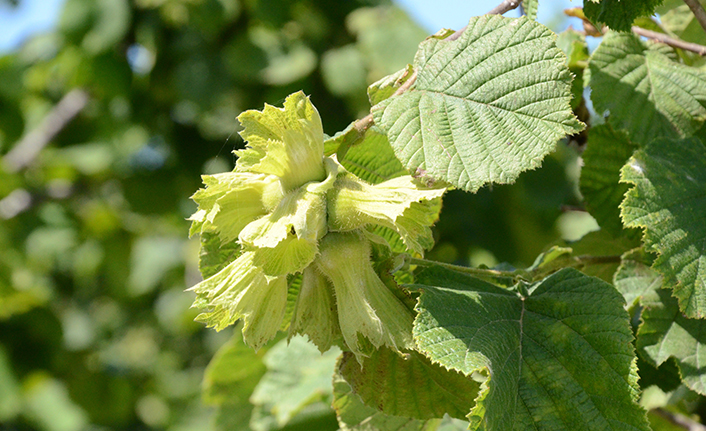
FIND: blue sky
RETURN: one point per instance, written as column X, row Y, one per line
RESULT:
column 436, row 14
column 28, row 18
column 36, row 16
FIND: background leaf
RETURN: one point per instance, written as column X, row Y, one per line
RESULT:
column 606, row 152
column 665, row 332
column 668, row 201
column 476, row 114
column 616, row 14
column 382, row 380
column 530, row 7
column 541, row 353
column 298, row 375
column 646, row 93
column 353, row 415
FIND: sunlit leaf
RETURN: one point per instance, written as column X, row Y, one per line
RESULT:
column 477, row 114
column 540, row 353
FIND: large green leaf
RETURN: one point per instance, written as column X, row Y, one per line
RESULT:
column 669, row 202
column 618, row 14
column 382, row 380
column 606, row 152
column 485, row 107
column 666, row 332
column 646, row 93
column 557, row 358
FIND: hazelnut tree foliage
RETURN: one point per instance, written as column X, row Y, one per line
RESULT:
column 549, row 347
column 339, row 264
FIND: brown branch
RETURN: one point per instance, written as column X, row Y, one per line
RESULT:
column 366, row 122
column 698, row 11
column 676, row 43
column 29, row 147
column 505, row 6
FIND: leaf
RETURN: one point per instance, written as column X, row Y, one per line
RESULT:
column 665, row 332
column 617, row 14
column 560, row 358
column 668, row 201
column 485, row 107
column 297, row 375
column 386, row 36
column 232, row 374
column 353, row 415
column 682, row 23
column 343, row 70
column 229, row 380
column 646, row 93
column 372, row 159
column 386, row 87
column 530, row 7
column 383, row 380
column 574, row 46
column 635, row 280
column 606, row 152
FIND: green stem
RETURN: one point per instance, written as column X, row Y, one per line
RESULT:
column 510, row 278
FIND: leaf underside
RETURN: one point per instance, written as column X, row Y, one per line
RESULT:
column 484, row 107
column 542, row 353
column 668, row 200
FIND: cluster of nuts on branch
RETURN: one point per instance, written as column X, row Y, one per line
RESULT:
column 293, row 210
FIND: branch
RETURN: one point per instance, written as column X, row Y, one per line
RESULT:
column 679, row 420
column 505, row 6
column 29, row 147
column 676, row 43
column 698, row 11
column 366, row 122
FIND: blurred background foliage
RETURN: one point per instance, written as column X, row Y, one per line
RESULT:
column 106, row 125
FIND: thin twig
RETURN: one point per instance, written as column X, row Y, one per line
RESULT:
column 679, row 420
column 29, row 147
column 698, row 11
column 366, row 122
column 505, row 6
column 663, row 38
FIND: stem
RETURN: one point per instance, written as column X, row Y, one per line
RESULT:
column 510, row 278
column 24, row 153
column 698, row 11
column 505, row 6
column 366, row 122
column 679, row 420
column 676, row 43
